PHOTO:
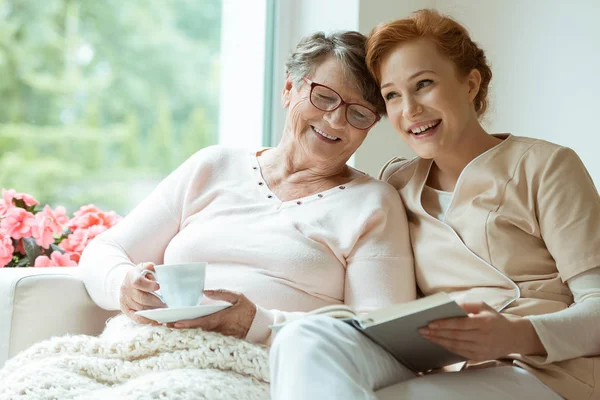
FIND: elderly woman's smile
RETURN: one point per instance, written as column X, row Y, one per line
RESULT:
column 327, row 138
column 328, row 117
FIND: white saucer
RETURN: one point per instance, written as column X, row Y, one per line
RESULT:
column 165, row 315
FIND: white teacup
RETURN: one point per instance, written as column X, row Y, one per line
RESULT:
column 181, row 285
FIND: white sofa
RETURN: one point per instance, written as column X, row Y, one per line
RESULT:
column 39, row 303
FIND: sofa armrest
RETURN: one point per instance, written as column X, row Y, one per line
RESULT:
column 39, row 303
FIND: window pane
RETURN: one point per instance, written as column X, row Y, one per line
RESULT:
column 101, row 99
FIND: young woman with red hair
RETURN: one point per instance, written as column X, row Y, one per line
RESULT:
column 507, row 225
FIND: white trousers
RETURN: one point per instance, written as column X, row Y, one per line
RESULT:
column 324, row 358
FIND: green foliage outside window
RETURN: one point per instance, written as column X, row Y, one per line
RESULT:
column 100, row 99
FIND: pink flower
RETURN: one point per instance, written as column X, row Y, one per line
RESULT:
column 74, row 256
column 18, row 223
column 4, row 207
column 43, row 237
column 111, row 218
column 85, row 221
column 55, row 220
column 56, row 260
column 90, row 208
column 90, row 215
column 43, row 261
column 76, row 241
column 95, row 230
column 11, row 194
column 6, row 249
column 49, row 223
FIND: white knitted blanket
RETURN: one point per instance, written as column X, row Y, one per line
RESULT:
column 130, row 361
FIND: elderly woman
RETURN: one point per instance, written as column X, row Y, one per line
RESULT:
column 284, row 229
column 507, row 225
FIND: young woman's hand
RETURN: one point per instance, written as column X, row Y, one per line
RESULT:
column 485, row 334
column 233, row 321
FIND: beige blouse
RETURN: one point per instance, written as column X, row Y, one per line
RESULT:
column 581, row 337
column 523, row 220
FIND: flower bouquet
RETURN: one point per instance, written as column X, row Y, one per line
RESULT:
column 35, row 236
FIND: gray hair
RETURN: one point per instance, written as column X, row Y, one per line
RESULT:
column 349, row 48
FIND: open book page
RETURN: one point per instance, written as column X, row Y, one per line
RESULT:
column 396, row 329
column 342, row 311
column 396, row 311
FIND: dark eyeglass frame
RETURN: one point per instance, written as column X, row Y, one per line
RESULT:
column 342, row 102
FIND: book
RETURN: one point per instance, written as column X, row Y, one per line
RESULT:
column 396, row 329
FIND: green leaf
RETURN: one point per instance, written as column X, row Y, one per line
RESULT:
column 20, row 203
column 32, row 249
column 66, row 233
column 54, row 247
column 23, row 263
column 11, row 264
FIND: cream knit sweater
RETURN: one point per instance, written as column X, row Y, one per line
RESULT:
column 348, row 244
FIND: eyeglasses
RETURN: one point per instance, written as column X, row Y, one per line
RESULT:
column 326, row 99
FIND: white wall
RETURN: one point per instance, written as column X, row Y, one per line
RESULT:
column 545, row 57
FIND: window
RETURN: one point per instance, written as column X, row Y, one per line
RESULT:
column 102, row 99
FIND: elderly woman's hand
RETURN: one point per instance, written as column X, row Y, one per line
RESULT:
column 233, row 321
column 136, row 296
